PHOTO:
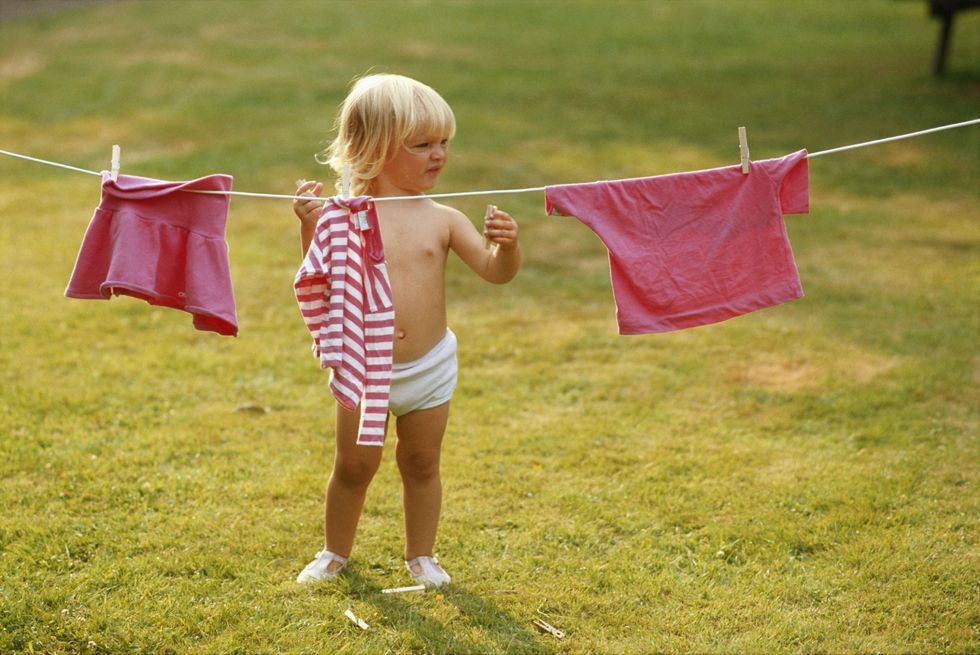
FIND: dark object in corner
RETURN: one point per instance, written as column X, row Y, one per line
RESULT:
column 945, row 10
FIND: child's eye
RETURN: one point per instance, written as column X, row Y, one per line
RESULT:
column 423, row 146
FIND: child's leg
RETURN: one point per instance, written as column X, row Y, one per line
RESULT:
column 353, row 468
column 419, row 445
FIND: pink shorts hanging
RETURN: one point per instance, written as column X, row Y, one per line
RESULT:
column 153, row 240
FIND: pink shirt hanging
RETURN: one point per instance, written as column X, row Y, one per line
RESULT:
column 155, row 241
column 695, row 248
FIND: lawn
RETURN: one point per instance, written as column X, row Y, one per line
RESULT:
column 801, row 479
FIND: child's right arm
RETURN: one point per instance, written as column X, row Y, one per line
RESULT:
column 308, row 211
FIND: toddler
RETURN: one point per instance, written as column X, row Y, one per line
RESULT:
column 393, row 132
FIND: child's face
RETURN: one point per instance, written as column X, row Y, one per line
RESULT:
column 416, row 165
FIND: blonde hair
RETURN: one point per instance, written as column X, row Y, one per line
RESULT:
column 379, row 115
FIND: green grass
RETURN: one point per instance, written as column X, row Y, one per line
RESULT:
column 803, row 479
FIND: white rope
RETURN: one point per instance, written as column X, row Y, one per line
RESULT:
column 251, row 195
column 893, row 138
column 382, row 199
column 492, row 192
column 49, row 163
column 460, row 194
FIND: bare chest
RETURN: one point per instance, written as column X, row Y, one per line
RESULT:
column 414, row 248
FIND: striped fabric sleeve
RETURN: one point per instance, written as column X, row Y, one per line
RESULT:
column 345, row 298
column 311, row 287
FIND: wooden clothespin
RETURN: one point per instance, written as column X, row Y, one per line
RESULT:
column 114, row 165
column 420, row 588
column 345, row 182
column 361, row 216
column 547, row 627
column 743, row 150
column 359, row 622
column 486, row 242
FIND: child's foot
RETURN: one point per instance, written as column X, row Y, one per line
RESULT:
column 426, row 570
column 324, row 567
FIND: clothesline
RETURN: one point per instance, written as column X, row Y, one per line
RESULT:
column 494, row 192
column 893, row 138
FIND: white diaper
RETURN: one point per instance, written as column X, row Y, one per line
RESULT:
column 427, row 382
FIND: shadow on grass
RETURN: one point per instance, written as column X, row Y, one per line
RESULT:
column 478, row 621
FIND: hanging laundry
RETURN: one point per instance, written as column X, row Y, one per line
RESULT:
column 344, row 294
column 153, row 240
column 695, row 248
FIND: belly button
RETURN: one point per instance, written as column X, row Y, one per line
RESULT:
column 401, row 334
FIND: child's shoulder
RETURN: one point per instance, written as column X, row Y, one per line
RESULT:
column 455, row 221
column 447, row 212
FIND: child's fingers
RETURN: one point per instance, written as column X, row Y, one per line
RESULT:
column 306, row 210
column 311, row 190
column 501, row 227
column 309, row 205
column 499, row 220
column 309, row 186
column 502, row 233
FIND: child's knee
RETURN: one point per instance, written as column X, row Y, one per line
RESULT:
column 419, row 465
column 355, row 472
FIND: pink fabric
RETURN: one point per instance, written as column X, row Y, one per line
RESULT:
column 152, row 240
column 690, row 249
column 344, row 294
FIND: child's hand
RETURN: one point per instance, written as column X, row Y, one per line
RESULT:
column 501, row 228
column 308, row 211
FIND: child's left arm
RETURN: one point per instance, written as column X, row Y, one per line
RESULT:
column 308, row 211
column 496, row 265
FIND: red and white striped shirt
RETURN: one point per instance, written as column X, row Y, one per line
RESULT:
column 345, row 296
